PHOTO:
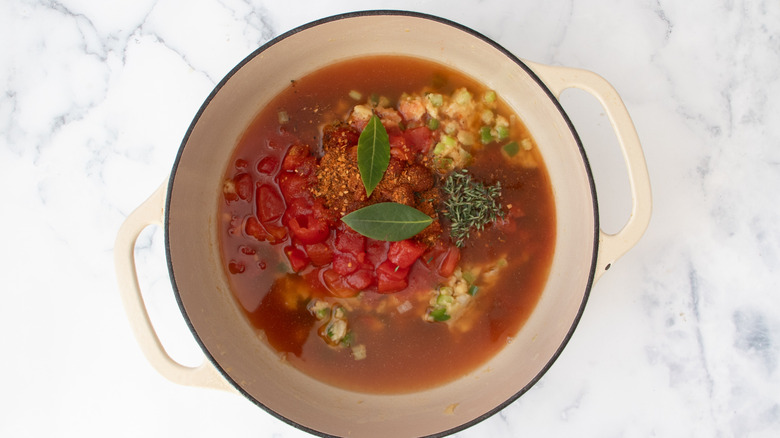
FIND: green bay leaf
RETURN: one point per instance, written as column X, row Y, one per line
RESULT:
column 373, row 154
column 388, row 221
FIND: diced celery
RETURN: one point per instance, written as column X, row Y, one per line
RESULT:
column 440, row 148
column 435, row 99
column 511, row 148
column 462, row 96
column 469, row 277
column 449, row 141
column 473, row 290
column 484, row 135
column 487, row 116
column 466, row 137
column 433, row 124
column 489, row 96
column 502, row 132
column 501, row 263
column 356, row 95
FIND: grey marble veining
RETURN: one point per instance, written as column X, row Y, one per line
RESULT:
column 680, row 338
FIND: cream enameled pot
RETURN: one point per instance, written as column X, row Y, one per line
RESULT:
column 237, row 360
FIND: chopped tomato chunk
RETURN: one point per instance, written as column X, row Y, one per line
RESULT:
column 405, row 252
column 361, row 278
column 270, row 206
column 298, row 259
column 336, row 285
column 293, row 186
column 267, row 165
column 319, row 253
column 253, row 228
column 345, row 263
column 391, row 278
column 420, row 139
column 307, row 223
column 350, row 241
column 295, row 157
column 449, row 261
column 243, row 182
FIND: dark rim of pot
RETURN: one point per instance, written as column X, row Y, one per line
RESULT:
column 460, row 27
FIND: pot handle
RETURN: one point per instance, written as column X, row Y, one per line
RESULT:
column 151, row 212
column 611, row 246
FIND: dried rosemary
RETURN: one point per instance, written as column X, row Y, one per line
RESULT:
column 469, row 205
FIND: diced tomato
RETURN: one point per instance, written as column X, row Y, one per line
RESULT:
column 391, row 278
column 307, row 167
column 420, row 139
column 405, row 252
column 293, row 186
column 307, row 223
column 308, row 230
column 349, row 241
column 243, row 182
column 241, row 164
column 319, row 253
column 362, row 278
column 345, row 263
column 397, row 140
column 336, row 285
column 376, row 251
column 253, row 228
column 270, row 206
column 267, row 165
column 276, row 234
column 298, row 259
column 295, row 157
column 450, row 261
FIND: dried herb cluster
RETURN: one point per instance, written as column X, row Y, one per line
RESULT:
column 470, row 205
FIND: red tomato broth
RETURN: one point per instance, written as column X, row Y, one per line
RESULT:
column 404, row 352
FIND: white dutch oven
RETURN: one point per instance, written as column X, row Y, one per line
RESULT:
column 238, row 361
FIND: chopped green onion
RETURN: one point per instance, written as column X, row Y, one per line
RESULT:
column 443, row 300
column 433, row 124
column 449, row 141
column 473, row 290
column 489, row 96
column 484, row 135
column 356, row 95
column 502, row 132
column 439, row 314
column 511, row 148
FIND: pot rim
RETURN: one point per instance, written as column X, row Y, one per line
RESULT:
column 394, row 13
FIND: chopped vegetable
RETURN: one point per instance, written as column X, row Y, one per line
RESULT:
column 356, row 95
column 283, row 117
column 511, row 148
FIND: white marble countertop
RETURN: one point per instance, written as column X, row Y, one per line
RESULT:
column 680, row 338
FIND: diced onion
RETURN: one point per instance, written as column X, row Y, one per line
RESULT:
column 404, row 307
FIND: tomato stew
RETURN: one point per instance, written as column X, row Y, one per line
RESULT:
column 370, row 315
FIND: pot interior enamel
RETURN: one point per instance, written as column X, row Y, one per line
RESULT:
column 202, row 286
